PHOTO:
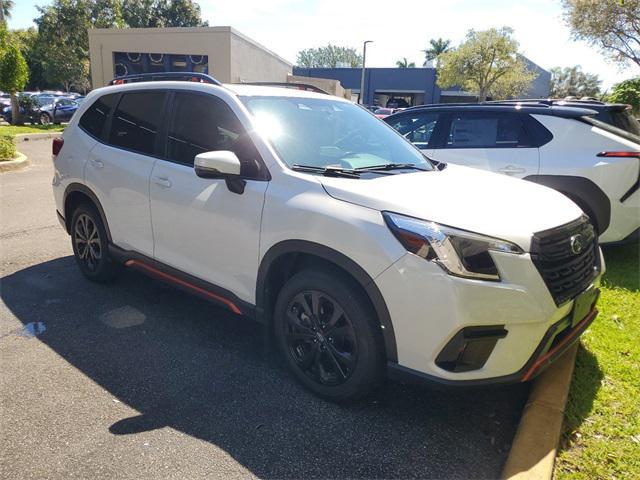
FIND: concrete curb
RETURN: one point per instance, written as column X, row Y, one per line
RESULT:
column 18, row 163
column 534, row 448
column 29, row 137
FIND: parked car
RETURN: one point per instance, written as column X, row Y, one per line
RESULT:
column 44, row 109
column 619, row 115
column 385, row 112
column 593, row 163
column 303, row 211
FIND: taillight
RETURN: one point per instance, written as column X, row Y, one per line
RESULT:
column 56, row 146
column 619, row 154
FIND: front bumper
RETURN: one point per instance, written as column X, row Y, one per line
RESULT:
column 428, row 308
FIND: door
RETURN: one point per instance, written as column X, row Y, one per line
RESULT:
column 489, row 140
column 200, row 227
column 419, row 128
column 119, row 169
column 63, row 110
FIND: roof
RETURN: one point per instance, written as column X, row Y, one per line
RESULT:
column 533, row 108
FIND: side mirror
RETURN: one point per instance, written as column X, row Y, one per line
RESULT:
column 220, row 164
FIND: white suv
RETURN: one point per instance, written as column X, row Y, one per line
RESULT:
column 307, row 213
column 563, row 147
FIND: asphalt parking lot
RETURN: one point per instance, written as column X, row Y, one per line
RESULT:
column 139, row 380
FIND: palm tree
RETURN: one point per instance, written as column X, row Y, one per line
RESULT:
column 438, row 47
column 404, row 63
column 5, row 9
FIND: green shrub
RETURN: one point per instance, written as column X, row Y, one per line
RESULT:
column 7, row 147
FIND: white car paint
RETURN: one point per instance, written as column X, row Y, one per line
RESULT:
column 163, row 210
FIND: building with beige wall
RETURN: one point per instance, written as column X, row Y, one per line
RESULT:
column 222, row 52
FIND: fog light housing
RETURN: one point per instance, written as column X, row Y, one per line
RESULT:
column 470, row 348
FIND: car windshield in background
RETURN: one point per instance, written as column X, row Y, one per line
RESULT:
column 328, row 133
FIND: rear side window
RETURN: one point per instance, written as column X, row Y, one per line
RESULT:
column 204, row 123
column 136, row 121
column 623, row 119
column 94, row 118
column 487, row 130
column 417, row 128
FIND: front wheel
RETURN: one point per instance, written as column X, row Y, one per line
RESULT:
column 90, row 245
column 328, row 335
column 44, row 118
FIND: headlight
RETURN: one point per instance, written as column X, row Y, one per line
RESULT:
column 460, row 253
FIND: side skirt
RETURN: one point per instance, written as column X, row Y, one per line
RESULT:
column 183, row 281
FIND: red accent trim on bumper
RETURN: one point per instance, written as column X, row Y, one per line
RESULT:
column 170, row 278
column 563, row 343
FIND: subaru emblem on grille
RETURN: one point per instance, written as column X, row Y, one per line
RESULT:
column 577, row 244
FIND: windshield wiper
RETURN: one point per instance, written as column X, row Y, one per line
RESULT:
column 392, row 166
column 328, row 171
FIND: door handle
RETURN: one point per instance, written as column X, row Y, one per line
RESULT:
column 97, row 163
column 512, row 170
column 164, row 182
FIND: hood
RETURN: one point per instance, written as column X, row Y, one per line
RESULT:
column 461, row 197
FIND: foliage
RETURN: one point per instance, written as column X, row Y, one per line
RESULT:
column 612, row 25
column 14, row 72
column 404, row 63
column 602, row 419
column 487, row 63
column 330, row 56
column 161, row 13
column 627, row 92
column 7, row 147
column 573, row 82
column 437, row 48
column 5, row 11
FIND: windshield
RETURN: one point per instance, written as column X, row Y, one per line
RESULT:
column 325, row 132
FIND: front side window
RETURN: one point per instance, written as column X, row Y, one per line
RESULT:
column 322, row 132
column 94, row 118
column 203, row 123
column 417, row 128
column 486, row 130
column 136, row 121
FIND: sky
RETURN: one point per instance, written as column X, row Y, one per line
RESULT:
column 398, row 29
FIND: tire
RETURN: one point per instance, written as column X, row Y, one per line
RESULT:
column 328, row 335
column 44, row 118
column 92, row 258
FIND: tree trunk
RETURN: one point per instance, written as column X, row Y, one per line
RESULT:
column 482, row 95
column 16, row 118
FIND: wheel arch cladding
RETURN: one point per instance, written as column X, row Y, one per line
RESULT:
column 584, row 192
column 77, row 193
column 284, row 259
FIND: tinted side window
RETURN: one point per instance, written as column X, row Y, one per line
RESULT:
column 136, row 121
column 417, row 128
column 204, row 123
column 486, row 130
column 94, row 118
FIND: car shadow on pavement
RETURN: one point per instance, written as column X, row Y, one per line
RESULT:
column 191, row 366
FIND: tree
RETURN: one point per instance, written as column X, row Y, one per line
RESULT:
column 330, row 56
column 611, row 25
column 573, row 82
column 5, row 9
column 404, row 63
column 437, row 48
column 627, row 92
column 488, row 63
column 161, row 13
column 14, row 74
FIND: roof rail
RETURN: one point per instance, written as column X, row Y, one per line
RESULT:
column 296, row 86
column 165, row 76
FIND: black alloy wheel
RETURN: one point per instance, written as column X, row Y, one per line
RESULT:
column 321, row 338
column 90, row 245
column 328, row 334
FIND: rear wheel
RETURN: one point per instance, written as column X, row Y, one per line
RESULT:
column 90, row 245
column 44, row 118
column 328, row 335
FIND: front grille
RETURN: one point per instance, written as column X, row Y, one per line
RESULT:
column 565, row 272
